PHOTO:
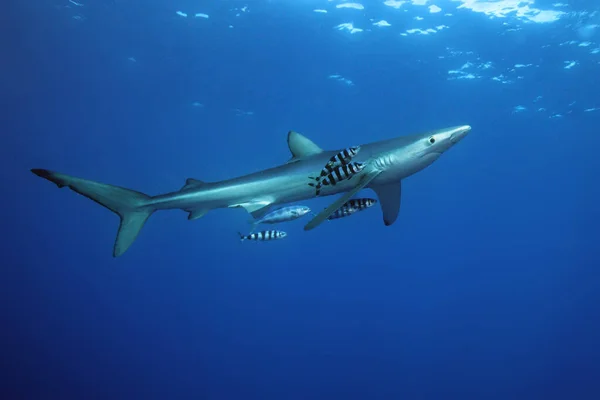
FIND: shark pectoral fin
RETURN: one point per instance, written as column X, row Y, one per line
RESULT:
column 389, row 197
column 197, row 213
column 300, row 146
column 323, row 215
column 191, row 182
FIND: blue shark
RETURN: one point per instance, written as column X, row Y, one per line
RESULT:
column 387, row 164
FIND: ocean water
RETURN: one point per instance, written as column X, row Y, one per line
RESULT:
column 486, row 287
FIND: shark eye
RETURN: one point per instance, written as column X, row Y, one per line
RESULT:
column 432, row 140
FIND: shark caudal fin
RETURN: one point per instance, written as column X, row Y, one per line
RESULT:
column 132, row 207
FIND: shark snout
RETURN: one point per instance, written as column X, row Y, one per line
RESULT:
column 459, row 133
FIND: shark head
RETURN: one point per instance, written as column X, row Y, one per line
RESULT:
column 441, row 140
column 430, row 146
column 414, row 153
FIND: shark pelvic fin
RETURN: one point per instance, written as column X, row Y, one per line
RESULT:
column 197, row 213
column 191, row 182
column 300, row 146
column 256, row 209
column 389, row 198
column 323, row 215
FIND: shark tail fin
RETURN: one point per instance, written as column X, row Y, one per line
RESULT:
column 133, row 208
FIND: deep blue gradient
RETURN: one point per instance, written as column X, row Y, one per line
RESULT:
column 487, row 286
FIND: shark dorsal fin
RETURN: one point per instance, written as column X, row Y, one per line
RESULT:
column 301, row 147
column 191, row 182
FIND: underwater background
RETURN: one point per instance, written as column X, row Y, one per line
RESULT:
column 486, row 287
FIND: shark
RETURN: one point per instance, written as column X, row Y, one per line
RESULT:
column 387, row 164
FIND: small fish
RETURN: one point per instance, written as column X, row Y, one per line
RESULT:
column 338, row 174
column 343, row 211
column 263, row 236
column 361, row 204
column 352, row 206
column 283, row 214
column 341, row 158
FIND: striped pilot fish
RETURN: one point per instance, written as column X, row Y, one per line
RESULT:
column 352, row 206
column 263, row 236
column 338, row 174
column 283, row 214
column 341, row 158
column 343, row 211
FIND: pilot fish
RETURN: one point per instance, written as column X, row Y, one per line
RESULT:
column 338, row 174
column 341, row 158
column 343, row 211
column 352, row 206
column 263, row 236
column 283, row 214
column 360, row 204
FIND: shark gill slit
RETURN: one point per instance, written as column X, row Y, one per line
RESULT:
column 384, row 162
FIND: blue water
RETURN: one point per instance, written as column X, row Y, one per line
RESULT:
column 486, row 287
